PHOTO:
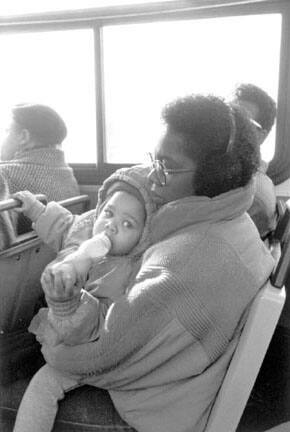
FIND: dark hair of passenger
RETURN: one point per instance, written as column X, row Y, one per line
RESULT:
column 44, row 124
column 207, row 125
column 266, row 105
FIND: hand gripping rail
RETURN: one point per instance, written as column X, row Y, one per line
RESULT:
column 31, row 239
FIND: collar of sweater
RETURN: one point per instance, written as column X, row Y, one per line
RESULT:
column 41, row 156
column 192, row 210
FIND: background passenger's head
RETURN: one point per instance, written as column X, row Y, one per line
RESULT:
column 209, row 147
column 259, row 106
column 32, row 126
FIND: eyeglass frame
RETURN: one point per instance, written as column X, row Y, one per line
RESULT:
column 159, row 167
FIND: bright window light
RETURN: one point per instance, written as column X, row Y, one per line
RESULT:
column 54, row 68
column 148, row 65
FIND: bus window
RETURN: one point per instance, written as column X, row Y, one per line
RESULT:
column 55, row 68
column 148, row 64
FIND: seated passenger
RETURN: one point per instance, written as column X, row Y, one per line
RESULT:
column 165, row 344
column 7, row 232
column 31, row 155
column 261, row 109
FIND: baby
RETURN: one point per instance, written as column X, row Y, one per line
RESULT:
column 77, row 305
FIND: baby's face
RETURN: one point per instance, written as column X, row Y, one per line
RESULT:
column 122, row 218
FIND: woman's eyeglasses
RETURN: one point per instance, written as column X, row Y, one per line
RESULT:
column 162, row 172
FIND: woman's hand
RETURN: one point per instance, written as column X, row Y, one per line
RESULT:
column 59, row 280
column 31, row 206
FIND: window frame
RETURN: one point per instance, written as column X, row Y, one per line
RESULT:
column 96, row 19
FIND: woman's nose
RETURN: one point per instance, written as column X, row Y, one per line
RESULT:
column 154, row 179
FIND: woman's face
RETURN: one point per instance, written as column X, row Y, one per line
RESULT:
column 178, row 184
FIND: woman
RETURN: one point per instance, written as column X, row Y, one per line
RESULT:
column 165, row 345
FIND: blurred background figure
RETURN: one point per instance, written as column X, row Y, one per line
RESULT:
column 31, row 155
column 261, row 109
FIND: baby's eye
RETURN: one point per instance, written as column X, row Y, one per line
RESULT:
column 127, row 224
column 108, row 213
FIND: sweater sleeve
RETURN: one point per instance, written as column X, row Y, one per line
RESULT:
column 131, row 322
column 53, row 225
column 60, row 229
column 80, row 325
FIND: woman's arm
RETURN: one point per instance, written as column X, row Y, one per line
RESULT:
column 74, row 327
column 130, row 323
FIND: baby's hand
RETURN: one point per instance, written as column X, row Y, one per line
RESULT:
column 59, row 281
column 31, row 207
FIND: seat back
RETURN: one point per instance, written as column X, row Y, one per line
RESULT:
column 262, row 319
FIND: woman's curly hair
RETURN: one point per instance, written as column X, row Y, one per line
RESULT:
column 219, row 139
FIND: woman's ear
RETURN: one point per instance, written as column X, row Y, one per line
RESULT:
column 24, row 138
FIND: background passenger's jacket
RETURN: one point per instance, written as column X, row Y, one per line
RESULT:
column 165, row 345
column 41, row 171
column 263, row 209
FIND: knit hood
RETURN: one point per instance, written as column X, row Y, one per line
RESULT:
column 130, row 179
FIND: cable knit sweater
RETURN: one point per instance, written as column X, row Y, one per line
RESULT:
column 165, row 345
column 40, row 170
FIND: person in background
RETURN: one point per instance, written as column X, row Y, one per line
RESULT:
column 261, row 109
column 32, row 158
column 165, row 344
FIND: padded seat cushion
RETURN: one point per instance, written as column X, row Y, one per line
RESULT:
column 85, row 409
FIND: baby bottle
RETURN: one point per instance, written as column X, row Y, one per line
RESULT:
column 97, row 246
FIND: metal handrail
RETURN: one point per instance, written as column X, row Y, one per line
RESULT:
column 31, row 239
column 12, row 203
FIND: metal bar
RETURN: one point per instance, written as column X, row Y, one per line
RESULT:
column 12, row 203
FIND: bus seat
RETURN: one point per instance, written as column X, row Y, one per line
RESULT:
column 283, row 222
column 262, row 319
column 21, row 266
column 239, row 380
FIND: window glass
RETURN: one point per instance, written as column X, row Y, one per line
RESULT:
column 147, row 65
column 55, row 68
